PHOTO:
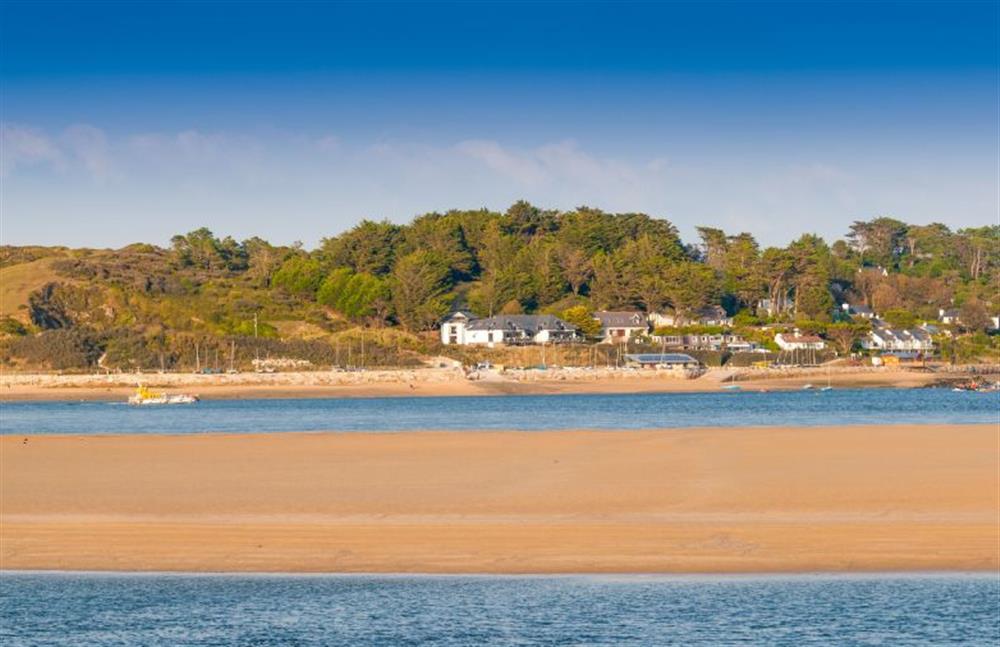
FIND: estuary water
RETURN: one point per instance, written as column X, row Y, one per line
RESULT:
column 529, row 412
column 154, row 610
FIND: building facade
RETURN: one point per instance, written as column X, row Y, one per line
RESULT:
column 465, row 329
column 797, row 341
column 909, row 340
column 619, row 327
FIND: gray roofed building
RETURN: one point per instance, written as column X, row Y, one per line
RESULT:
column 856, row 309
column 508, row 329
column 666, row 360
column 618, row 327
column 528, row 323
column 898, row 339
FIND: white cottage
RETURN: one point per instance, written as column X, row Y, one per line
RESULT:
column 796, row 341
column 464, row 329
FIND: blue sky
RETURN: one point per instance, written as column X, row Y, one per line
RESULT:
column 135, row 121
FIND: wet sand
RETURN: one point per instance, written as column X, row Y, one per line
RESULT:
column 867, row 498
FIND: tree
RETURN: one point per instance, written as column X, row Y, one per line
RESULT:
column 811, row 261
column 885, row 297
column 356, row 296
column 979, row 249
column 500, row 279
column 299, row 275
column 443, row 235
column 641, row 270
column 692, row 286
column 777, row 267
column 741, row 270
column 369, row 247
column 880, row 241
column 974, row 316
column 575, row 266
column 714, row 245
column 900, row 318
column 582, row 317
column 606, row 286
column 546, row 282
column 512, row 307
column 527, row 221
column 263, row 259
column 200, row 248
column 419, row 290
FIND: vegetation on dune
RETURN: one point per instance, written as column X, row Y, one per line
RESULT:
column 143, row 306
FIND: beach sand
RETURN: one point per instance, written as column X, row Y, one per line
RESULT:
column 867, row 498
column 440, row 382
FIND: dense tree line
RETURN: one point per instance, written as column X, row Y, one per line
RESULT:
column 526, row 259
column 532, row 260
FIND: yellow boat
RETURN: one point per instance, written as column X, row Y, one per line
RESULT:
column 143, row 395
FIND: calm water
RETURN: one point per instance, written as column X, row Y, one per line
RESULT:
column 879, row 406
column 150, row 610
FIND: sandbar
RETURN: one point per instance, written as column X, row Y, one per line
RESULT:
column 832, row 499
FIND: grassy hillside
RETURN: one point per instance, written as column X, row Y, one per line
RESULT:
column 18, row 281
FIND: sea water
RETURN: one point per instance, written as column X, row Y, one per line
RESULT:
column 527, row 412
column 154, row 610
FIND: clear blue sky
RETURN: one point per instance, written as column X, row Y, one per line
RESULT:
column 134, row 121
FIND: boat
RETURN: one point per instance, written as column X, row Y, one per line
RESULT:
column 732, row 387
column 826, row 388
column 807, row 387
column 976, row 386
column 144, row 396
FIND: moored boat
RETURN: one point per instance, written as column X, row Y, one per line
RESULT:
column 143, row 396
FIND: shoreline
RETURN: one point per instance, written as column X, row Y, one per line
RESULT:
column 637, row 577
column 710, row 501
column 444, row 383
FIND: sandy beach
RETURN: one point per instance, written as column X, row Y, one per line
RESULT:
column 692, row 500
column 445, row 382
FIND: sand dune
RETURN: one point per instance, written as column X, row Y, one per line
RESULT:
column 693, row 500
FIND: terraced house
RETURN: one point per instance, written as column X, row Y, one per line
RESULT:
column 899, row 341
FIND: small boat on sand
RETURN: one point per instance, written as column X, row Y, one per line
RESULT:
column 143, row 396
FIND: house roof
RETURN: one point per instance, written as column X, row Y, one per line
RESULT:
column 662, row 358
column 901, row 334
column 530, row 324
column 621, row 319
column 459, row 314
column 712, row 312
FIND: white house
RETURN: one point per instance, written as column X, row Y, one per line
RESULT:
column 898, row 340
column 797, row 341
column 949, row 316
column 858, row 310
column 619, row 327
column 453, row 327
column 465, row 329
